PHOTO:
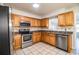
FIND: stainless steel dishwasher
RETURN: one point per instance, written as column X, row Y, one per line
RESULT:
column 61, row 42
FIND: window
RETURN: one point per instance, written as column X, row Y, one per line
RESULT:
column 53, row 23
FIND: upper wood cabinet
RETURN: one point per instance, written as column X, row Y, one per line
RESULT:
column 44, row 22
column 69, row 19
column 15, row 20
column 35, row 22
column 61, row 20
column 66, row 19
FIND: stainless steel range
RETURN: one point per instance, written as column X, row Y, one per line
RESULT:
column 26, row 37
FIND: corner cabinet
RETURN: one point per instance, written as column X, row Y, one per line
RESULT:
column 35, row 22
column 44, row 22
column 36, row 37
column 45, row 37
column 49, row 37
column 66, row 19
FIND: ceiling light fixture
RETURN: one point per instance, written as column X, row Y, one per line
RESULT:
column 35, row 5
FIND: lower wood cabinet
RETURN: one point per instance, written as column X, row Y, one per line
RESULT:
column 46, row 37
column 36, row 37
column 17, row 41
column 69, row 43
column 52, row 39
column 49, row 37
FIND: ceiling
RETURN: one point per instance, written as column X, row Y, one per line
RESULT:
column 44, row 9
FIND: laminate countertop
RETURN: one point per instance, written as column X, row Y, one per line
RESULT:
column 56, row 32
column 47, row 30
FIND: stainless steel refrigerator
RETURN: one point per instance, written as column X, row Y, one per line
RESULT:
column 5, row 31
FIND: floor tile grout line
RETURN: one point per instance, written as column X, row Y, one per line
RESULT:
column 46, row 49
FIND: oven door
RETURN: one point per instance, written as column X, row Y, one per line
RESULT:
column 26, row 40
column 26, row 37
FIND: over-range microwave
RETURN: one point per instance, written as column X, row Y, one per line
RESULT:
column 25, row 24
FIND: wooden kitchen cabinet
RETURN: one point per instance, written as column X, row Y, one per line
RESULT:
column 46, row 37
column 52, row 39
column 61, row 20
column 69, row 43
column 32, row 22
column 69, row 19
column 17, row 41
column 66, row 19
column 43, row 36
column 44, row 22
column 36, row 37
column 15, row 20
column 49, row 37
column 35, row 22
column 38, row 23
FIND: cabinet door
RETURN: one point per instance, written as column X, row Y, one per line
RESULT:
column 42, row 36
column 46, row 39
column 69, row 43
column 35, row 22
column 36, row 37
column 52, row 40
column 17, row 41
column 47, row 22
column 69, row 19
column 38, row 23
column 32, row 22
column 28, row 19
column 16, row 20
column 61, row 20
column 44, row 22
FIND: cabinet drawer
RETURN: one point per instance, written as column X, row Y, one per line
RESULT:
column 51, row 34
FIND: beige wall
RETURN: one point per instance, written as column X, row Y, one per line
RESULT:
column 19, row 12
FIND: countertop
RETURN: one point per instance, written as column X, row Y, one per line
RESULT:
column 47, row 30
column 58, row 32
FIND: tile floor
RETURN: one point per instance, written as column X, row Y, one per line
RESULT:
column 41, row 49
